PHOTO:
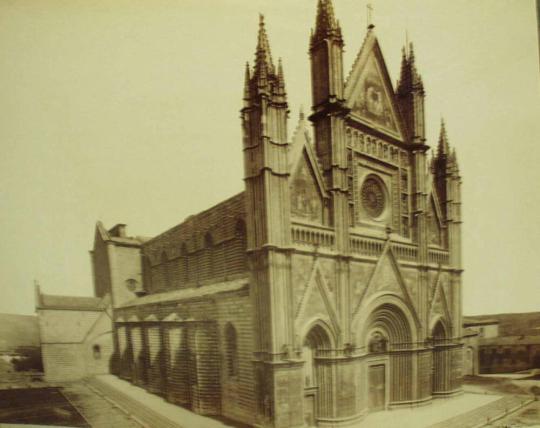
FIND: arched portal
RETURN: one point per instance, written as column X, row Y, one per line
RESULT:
column 317, row 381
column 387, row 333
column 441, row 356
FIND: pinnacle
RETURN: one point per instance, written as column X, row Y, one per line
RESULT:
column 247, row 80
column 326, row 21
column 263, row 56
column 443, row 148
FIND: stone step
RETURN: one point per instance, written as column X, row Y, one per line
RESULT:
column 145, row 415
column 485, row 414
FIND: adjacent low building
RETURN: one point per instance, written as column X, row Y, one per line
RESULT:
column 75, row 335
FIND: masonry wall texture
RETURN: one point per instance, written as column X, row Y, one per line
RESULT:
column 330, row 287
column 76, row 336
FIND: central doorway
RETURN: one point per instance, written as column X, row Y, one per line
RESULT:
column 377, row 387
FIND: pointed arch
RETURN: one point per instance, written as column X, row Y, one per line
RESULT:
column 165, row 269
column 231, row 350
column 390, row 313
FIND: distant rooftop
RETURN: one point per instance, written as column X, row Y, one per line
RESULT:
column 48, row 301
column 480, row 320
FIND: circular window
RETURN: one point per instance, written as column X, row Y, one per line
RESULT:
column 373, row 198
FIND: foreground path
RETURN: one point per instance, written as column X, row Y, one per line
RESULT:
column 468, row 410
column 96, row 409
column 149, row 408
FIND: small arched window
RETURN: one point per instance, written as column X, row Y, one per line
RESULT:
column 231, row 351
column 208, row 240
column 185, row 263
column 165, row 269
column 96, row 349
column 240, row 228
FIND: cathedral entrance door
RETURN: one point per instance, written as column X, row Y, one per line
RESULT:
column 377, row 387
column 310, row 409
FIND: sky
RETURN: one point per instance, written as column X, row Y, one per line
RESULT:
column 127, row 111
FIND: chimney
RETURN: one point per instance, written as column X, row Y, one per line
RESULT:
column 118, row 231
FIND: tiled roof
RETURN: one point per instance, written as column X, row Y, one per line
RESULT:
column 48, row 301
column 479, row 321
column 127, row 240
column 511, row 340
column 189, row 293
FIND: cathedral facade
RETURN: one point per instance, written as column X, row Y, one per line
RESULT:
column 331, row 286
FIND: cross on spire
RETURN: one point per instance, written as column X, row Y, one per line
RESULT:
column 369, row 8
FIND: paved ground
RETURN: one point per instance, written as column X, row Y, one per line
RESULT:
column 96, row 409
column 425, row 416
column 526, row 417
column 152, row 409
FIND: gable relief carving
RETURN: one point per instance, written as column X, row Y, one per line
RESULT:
column 371, row 99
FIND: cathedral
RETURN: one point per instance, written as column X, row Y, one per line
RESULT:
column 331, row 286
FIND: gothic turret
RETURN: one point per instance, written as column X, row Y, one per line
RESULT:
column 264, row 119
column 326, row 49
column 411, row 95
column 267, row 207
column 445, row 170
column 329, row 111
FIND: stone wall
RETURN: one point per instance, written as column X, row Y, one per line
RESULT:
column 75, row 343
column 182, row 352
column 206, row 248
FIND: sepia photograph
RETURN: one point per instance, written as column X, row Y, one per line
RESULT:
column 270, row 213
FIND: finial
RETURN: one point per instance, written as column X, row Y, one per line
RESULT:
column 247, row 80
column 325, row 23
column 443, row 147
column 301, row 115
column 370, row 25
column 263, row 57
column 406, row 38
column 281, row 78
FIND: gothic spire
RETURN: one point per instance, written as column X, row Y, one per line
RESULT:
column 281, row 79
column 443, row 148
column 247, row 80
column 263, row 58
column 409, row 79
column 326, row 23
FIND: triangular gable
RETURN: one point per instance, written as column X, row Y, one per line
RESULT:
column 387, row 277
column 306, row 190
column 151, row 318
column 435, row 219
column 439, row 303
column 172, row 318
column 317, row 298
column 300, row 149
column 369, row 92
column 133, row 318
column 436, row 203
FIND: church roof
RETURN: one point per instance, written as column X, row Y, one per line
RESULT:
column 189, row 293
column 110, row 235
column 472, row 321
column 49, row 301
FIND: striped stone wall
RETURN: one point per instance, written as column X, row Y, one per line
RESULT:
column 180, row 352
